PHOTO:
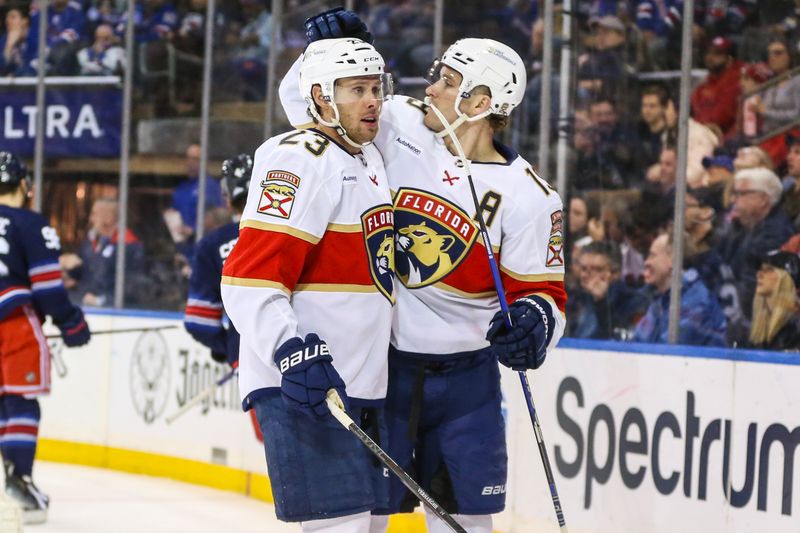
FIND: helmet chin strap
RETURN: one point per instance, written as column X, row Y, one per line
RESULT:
column 337, row 125
column 450, row 129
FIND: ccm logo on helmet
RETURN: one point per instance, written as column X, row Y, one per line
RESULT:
column 373, row 58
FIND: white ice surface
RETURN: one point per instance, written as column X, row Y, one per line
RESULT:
column 96, row 500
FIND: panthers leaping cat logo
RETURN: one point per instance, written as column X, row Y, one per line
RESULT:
column 384, row 260
column 433, row 236
column 378, row 227
column 426, row 251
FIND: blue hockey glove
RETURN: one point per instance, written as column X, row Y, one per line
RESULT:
column 308, row 374
column 523, row 346
column 336, row 23
column 75, row 330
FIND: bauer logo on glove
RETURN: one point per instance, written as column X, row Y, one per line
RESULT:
column 308, row 375
column 306, row 354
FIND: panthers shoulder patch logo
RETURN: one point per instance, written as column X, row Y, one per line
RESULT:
column 278, row 190
column 433, row 237
column 378, row 227
column 555, row 244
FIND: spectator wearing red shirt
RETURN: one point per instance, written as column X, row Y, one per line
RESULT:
column 715, row 100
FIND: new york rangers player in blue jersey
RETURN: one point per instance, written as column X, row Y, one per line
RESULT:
column 30, row 289
column 205, row 318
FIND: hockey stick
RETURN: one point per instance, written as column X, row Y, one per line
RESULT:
column 337, row 410
column 55, row 349
column 202, row 395
column 501, row 295
column 111, row 331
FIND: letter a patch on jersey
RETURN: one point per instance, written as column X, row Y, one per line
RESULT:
column 278, row 191
column 378, row 227
column 555, row 244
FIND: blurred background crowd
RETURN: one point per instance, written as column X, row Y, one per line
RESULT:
column 741, row 242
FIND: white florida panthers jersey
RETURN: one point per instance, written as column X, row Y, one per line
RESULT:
column 447, row 295
column 314, row 255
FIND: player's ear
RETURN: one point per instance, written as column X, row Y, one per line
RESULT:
column 323, row 107
column 480, row 102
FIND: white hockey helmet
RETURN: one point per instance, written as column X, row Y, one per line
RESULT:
column 328, row 60
column 490, row 63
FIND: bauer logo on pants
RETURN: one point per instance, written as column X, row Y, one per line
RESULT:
column 278, row 191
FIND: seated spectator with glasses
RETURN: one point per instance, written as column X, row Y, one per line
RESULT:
column 759, row 226
column 604, row 307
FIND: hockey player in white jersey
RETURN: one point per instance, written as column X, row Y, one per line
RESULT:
column 309, row 286
column 443, row 403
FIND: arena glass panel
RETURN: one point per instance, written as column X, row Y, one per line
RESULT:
column 165, row 157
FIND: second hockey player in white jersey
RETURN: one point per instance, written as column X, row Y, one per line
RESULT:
column 443, row 404
column 309, row 286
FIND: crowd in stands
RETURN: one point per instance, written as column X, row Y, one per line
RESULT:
column 742, row 213
column 741, row 271
column 85, row 37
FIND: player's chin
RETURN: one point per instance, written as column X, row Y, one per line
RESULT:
column 432, row 122
column 366, row 134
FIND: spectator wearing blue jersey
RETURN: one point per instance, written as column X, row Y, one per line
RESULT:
column 14, row 44
column 66, row 27
column 104, row 57
column 701, row 322
column 102, row 12
column 181, row 217
column 659, row 18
